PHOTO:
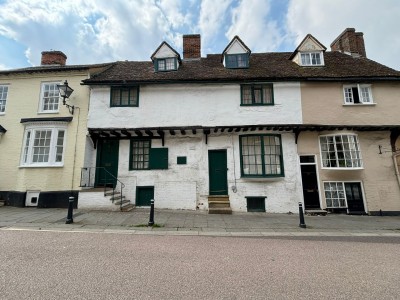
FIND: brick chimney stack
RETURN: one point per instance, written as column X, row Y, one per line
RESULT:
column 351, row 42
column 53, row 58
column 191, row 46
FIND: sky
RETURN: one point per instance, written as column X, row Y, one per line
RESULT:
column 99, row 31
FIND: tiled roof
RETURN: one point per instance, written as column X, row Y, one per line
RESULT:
column 263, row 66
column 52, row 68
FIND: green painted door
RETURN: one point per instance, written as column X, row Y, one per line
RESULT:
column 144, row 194
column 217, row 169
column 107, row 159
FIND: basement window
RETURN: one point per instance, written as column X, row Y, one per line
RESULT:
column 255, row 204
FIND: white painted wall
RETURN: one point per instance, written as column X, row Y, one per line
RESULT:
column 187, row 186
column 194, row 104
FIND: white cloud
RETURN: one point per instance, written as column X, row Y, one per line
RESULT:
column 3, row 67
column 212, row 15
column 327, row 19
column 90, row 31
column 251, row 21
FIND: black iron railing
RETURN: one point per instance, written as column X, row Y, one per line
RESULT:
column 101, row 177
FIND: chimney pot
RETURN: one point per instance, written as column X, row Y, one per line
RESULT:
column 191, row 46
column 53, row 58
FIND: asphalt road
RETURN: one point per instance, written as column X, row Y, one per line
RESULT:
column 65, row 265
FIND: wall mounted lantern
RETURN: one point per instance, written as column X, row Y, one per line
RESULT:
column 65, row 92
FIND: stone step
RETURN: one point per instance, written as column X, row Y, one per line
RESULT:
column 110, row 193
column 128, row 207
column 117, row 197
column 218, row 198
column 123, row 202
column 225, row 211
column 219, row 204
column 315, row 212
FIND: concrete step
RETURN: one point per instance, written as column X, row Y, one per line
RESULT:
column 2, row 202
column 128, row 207
column 224, row 211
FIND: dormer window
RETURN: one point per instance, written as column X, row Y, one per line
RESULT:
column 309, row 53
column 234, row 61
column 236, row 55
column 166, row 64
column 165, row 58
column 311, row 59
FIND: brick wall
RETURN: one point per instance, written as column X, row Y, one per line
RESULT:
column 350, row 41
column 53, row 58
column 191, row 46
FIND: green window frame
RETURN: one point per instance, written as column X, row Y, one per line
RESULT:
column 166, row 64
column 257, row 94
column 237, row 61
column 143, row 157
column 261, row 155
column 124, row 96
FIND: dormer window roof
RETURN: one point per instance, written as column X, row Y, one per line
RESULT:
column 236, row 55
column 165, row 58
column 309, row 53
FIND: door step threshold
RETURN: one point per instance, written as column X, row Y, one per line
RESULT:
column 316, row 212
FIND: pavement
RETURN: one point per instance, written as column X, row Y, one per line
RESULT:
column 186, row 222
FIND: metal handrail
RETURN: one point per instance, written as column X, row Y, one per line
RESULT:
column 122, row 185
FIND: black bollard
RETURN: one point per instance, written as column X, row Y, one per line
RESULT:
column 70, row 211
column 151, row 220
column 301, row 213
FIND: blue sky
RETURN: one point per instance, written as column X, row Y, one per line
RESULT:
column 97, row 31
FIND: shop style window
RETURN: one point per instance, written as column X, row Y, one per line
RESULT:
column 257, row 94
column 357, row 94
column 3, row 98
column 50, row 97
column 43, row 146
column 261, row 156
column 340, row 151
column 143, row 157
column 124, row 96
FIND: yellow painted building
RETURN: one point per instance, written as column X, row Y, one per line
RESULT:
column 42, row 141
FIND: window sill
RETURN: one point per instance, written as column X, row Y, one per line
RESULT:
column 343, row 169
column 312, row 66
column 252, row 105
column 359, row 104
column 48, row 112
column 254, row 178
column 40, row 166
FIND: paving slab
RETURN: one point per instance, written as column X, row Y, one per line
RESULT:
column 198, row 222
